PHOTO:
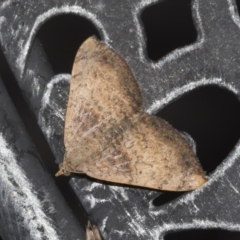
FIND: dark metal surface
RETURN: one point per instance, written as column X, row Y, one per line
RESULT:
column 31, row 205
column 124, row 212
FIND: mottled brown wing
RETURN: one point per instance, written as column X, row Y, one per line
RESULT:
column 149, row 154
column 108, row 135
column 102, row 92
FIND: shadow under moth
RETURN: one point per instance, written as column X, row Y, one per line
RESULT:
column 109, row 136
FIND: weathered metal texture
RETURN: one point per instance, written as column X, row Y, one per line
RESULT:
column 31, row 205
column 122, row 212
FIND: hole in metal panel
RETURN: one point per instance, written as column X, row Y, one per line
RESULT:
column 238, row 6
column 168, row 25
column 200, row 234
column 61, row 37
column 211, row 116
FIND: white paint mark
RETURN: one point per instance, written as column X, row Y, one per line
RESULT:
column 20, row 43
column 177, row 92
column 136, row 223
column 22, row 195
column 93, row 201
column 91, row 187
column 117, row 193
column 121, row 191
column 137, row 216
column 35, row 87
column 195, row 209
column 138, row 227
column 46, row 199
column 41, row 19
column 2, row 21
column 116, row 190
column 103, row 224
column 120, row 233
column 154, row 211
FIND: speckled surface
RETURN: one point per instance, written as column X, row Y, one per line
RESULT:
column 30, row 201
column 124, row 212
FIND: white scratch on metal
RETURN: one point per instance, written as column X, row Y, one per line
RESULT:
column 231, row 185
column 5, row 4
column 57, row 110
column 103, row 224
column 2, row 20
column 93, row 201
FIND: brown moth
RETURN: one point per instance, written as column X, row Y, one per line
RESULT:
column 108, row 135
column 92, row 232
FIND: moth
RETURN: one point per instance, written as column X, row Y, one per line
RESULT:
column 110, row 137
column 92, row 232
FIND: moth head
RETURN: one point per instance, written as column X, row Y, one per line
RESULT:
column 62, row 170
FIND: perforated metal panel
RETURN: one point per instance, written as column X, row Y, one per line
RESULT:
column 39, row 40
